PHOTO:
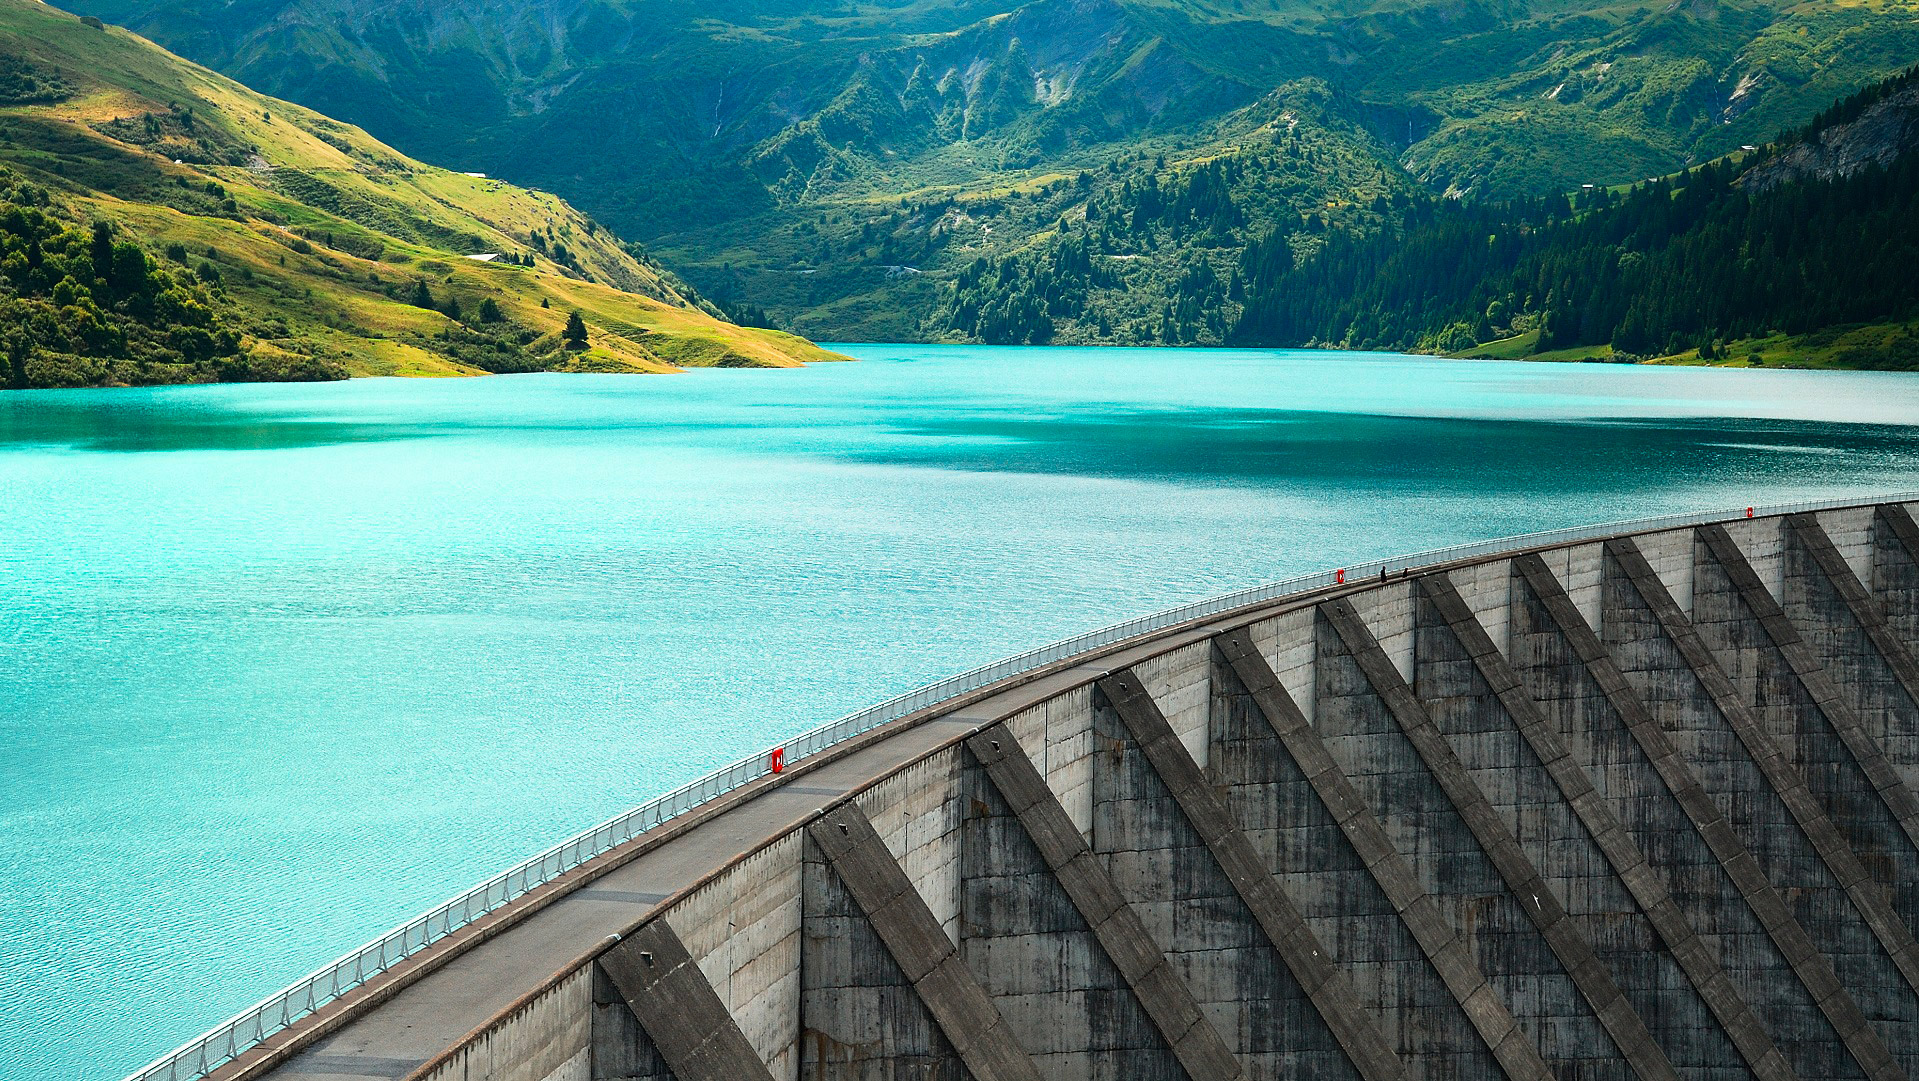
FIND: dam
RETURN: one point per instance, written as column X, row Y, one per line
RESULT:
column 1631, row 801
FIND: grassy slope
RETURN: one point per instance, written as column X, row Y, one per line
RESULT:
column 1823, row 349
column 327, row 223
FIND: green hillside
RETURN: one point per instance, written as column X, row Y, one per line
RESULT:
column 162, row 223
column 1799, row 254
column 841, row 165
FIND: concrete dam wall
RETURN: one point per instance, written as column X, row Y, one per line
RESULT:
column 1644, row 806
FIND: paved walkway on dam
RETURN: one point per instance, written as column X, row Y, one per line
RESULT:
column 440, row 1009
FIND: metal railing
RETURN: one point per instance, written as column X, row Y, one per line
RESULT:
column 235, row 1037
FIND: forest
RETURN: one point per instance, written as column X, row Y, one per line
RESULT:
column 1674, row 264
column 1737, row 249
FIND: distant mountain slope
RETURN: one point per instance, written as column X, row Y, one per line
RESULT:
column 307, row 248
column 1873, row 128
column 761, row 146
column 1809, row 244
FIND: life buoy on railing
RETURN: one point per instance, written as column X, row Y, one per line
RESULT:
column 777, row 760
column 1748, row 512
column 1339, row 577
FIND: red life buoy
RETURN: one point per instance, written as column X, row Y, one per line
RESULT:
column 1748, row 512
column 778, row 760
column 1339, row 576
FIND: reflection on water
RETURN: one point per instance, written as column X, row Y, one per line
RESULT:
column 287, row 664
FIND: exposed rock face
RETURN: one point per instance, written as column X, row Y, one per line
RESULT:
column 1880, row 134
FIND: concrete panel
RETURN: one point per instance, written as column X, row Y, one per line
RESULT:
column 861, row 1019
column 1387, row 613
column 1851, row 639
column 1895, row 570
column 1850, row 530
column 1069, row 755
column 1532, row 953
column 743, row 930
column 1286, row 641
column 911, row 934
column 1668, row 974
column 1028, row 726
column 917, row 813
column 1762, row 542
column 621, row 1049
column 1487, row 590
column 1586, row 566
column 1179, row 681
column 1097, row 905
column 1670, row 556
column 1779, row 701
column 1170, row 845
column 1041, row 962
column 678, row 1009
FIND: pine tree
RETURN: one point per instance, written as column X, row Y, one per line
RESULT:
column 102, row 250
column 423, row 295
column 490, row 311
column 575, row 334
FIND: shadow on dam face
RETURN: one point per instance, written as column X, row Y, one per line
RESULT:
column 1642, row 806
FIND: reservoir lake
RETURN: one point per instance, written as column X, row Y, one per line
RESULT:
column 285, row 665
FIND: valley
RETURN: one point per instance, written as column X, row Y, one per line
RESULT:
column 838, row 169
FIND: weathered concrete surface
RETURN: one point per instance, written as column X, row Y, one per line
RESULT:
column 1358, row 834
column 1850, row 637
column 1895, row 570
column 1640, row 808
column 1671, row 977
column 1770, row 835
column 1058, row 915
column 682, row 1016
column 1796, row 738
column 1618, row 1045
column 1246, row 952
column 911, row 933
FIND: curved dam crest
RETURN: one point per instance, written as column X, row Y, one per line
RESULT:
column 1641, row 806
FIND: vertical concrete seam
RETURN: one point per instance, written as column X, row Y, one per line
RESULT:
column 679, row 1009
column 1121, row 933
column 1814, row 970
column 1312, row 967
column 1696, row 959
column 1536, row 898
column 1416, row 909
column 1777, row 768
column 918, row 944
column 1806, row 667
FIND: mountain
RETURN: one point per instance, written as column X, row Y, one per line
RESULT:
column 1801, row 252
column 841, row 162
column 162, row 223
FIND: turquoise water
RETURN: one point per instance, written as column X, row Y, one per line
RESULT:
column 285, row 665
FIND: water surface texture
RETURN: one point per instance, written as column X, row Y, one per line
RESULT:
column 286, row 665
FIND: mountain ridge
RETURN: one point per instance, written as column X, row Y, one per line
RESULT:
column 755, row 145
